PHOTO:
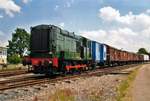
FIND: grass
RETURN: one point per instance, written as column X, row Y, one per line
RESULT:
column 62, row 95
column 123, row 89
column 11, row 67
column 68, row 95
column 95, row 98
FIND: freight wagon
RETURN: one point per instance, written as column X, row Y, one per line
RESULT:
column 103, row 55
column 54, row 50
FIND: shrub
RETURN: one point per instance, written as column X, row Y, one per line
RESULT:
column 14, row 59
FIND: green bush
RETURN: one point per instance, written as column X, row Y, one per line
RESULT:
column 14, row 59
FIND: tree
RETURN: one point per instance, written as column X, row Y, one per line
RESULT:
column 142, row 51
column 19, row 42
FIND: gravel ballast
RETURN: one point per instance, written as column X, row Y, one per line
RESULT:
column 94, row 88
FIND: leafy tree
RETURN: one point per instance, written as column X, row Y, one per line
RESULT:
column 19, row 42
column 142, row 51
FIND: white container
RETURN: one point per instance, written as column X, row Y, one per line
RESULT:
column 146, row 57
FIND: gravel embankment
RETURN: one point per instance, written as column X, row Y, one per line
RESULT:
column 94, row 88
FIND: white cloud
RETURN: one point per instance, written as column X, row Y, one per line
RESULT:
column 139, row 21
column 10, row 7
column 129, row 32
column 121, row 38
column 108, row 13
column 26, row 1
column 62, row 24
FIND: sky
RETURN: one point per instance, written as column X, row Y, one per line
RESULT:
column 124, row 24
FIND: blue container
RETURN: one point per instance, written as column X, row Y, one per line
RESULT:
column 103, row 53
column 95, row 51
column 99, row 52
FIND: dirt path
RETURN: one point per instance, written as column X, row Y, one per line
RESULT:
column 141, row 85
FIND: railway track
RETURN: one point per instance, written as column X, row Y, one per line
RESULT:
column 28, row 81
column 12, row 73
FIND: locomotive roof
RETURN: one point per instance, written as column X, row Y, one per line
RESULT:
column 43, row 26
column 62, row 31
